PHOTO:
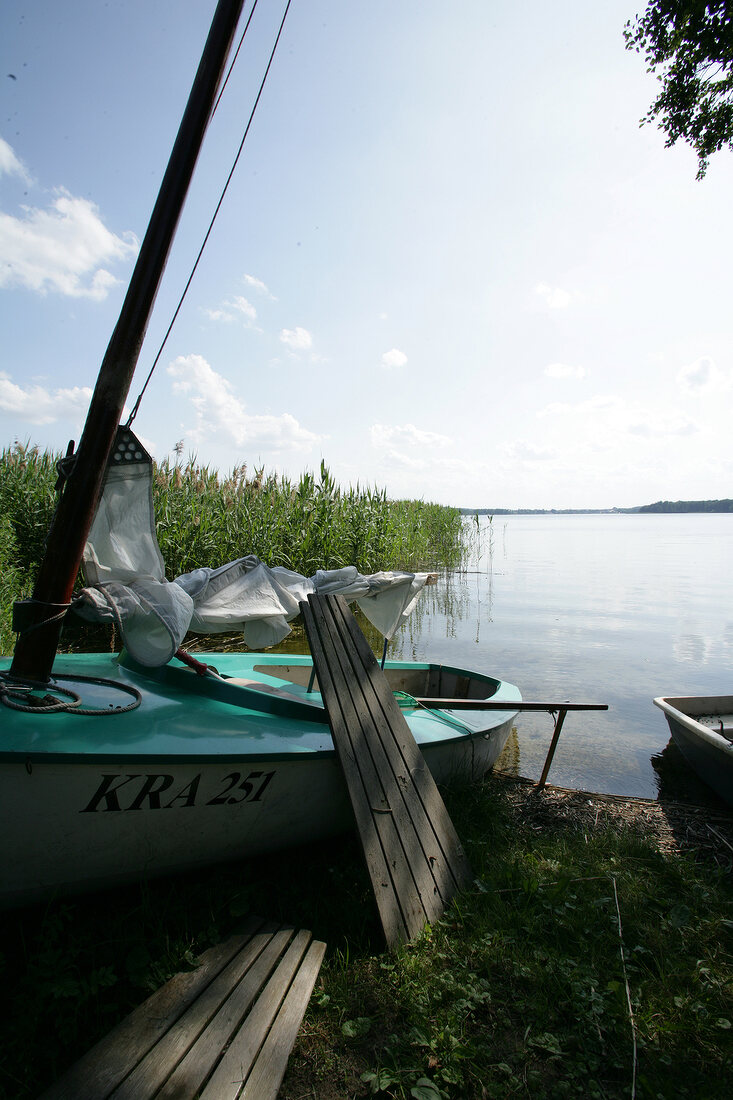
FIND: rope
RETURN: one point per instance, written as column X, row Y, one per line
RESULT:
column 14, row 689
column 404, row 699
column 60, row 614
column 136, row 406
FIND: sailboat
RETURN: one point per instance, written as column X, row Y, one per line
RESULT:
column 116, row 767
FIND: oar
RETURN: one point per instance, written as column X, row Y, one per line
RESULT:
column 560, row 709
column 502, row 704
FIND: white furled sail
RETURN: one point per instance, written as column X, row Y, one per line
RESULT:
column 127, row 583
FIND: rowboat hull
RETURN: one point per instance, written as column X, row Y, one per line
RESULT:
column 697, row 724
column 191, row 778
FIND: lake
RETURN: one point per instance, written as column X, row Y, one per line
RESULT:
column 610, row 609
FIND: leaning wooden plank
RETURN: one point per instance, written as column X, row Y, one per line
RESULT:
column 204, row 1054
column 103, row 1067
column 266, row 1077
column 414, row 857
column 373, row 784
column 443, row 854
column 413, row 883
column 377, row 831
column 398, row 813
column 447, row 856
column 413, row 758
column 243, row 1057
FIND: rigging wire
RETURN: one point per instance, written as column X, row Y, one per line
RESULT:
column 181, row 300
column 234, row 59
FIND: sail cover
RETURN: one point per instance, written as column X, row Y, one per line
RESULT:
column 127, row 583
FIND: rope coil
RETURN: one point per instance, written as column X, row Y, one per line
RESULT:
column 14, row 693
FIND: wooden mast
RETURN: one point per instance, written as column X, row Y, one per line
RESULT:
column 40, row 618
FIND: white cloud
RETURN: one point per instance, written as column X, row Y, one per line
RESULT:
column 234, row 309
column 702, row 376
column 221, row 414
column 10, row 165
column 408, row 450
column 259, row 286
column 394, row 358
column 64, row 249
column 384, row 435
column 297, row 339
column 605, row 420
column 400, row 460
column 37, row 405
column 661, row 425
column 554, row 297
column 563, row 370
column 521, row 450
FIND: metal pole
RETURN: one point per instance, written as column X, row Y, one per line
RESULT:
column 384, row 652
column 553, row 745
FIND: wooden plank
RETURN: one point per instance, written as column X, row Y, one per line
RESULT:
column 412, row 877
column 371, row 779
column 413, row 854
column 501, row 704
column 407, row 781
column 236, row 1023
column 256, row 1059
column 266, row 1078
column 438, row 817
column 103, row 1067
column 372, row 828
column 183, row 1059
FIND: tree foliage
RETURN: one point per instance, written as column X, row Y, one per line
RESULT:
column 689, row 46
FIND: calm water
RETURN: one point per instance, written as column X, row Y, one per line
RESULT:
column 609, row 609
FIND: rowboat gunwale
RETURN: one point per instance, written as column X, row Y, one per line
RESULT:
column 174, row 724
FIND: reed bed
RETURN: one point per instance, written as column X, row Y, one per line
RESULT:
column 204, row 518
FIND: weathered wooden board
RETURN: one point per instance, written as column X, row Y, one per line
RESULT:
column 210, row 1033
column 414, row 857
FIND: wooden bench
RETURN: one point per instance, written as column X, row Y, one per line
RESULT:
column 224, row 1030
column 413, row 854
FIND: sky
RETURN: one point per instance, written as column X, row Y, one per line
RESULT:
column 450, row 262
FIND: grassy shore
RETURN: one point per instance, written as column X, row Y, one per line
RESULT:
column 591, row 958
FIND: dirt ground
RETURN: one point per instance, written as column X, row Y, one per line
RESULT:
column 686, row 817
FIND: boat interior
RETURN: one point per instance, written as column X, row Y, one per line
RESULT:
column 429, row 681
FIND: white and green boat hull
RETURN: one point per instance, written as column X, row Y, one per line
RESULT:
column 202, row 771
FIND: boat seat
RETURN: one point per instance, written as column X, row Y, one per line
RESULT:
column 719, row 723
column 268, row 689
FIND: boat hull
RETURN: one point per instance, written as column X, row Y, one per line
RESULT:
column 189, row 779
column 691, row 721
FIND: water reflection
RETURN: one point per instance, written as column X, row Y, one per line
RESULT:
column 602, row 608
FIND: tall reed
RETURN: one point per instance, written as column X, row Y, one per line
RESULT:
column 205, row 518
column 305, row 525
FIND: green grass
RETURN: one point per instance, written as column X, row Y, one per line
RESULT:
column 204, row 518
column 521, row 990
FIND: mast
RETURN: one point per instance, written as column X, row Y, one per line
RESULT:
column 39, row 620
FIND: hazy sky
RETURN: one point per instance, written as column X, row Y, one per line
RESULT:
column 450, row 262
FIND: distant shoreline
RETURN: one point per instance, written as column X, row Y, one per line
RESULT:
column 661, row 506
